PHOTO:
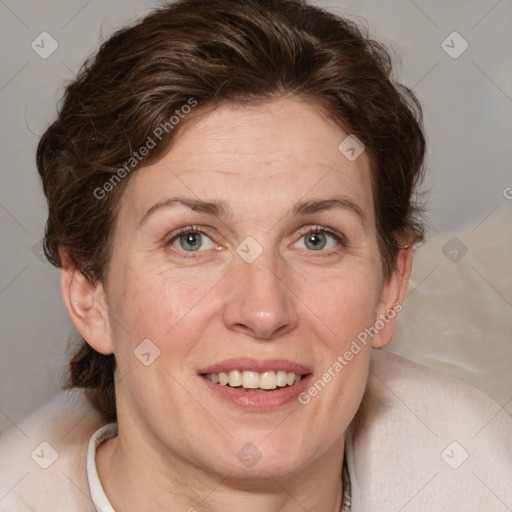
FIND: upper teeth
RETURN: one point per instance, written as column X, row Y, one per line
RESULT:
column 254, row 380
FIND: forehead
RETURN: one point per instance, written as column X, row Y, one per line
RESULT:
column 272, row 153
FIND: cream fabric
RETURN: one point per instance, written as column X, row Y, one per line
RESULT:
column 425, row 442
column 457, row 316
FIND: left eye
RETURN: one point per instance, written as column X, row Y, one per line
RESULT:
column 317, row 239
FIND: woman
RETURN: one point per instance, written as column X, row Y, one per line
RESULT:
column 230, row 188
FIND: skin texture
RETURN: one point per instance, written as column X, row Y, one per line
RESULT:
column 178, row 442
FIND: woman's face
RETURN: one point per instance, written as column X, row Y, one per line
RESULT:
column 247, row 289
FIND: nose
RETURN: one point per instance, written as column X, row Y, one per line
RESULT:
column 260, row 302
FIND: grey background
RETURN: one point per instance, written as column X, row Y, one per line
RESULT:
column 467, row 104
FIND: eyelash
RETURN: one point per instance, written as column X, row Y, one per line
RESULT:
column 341, row 239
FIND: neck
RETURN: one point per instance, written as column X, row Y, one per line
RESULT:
column 137, row 478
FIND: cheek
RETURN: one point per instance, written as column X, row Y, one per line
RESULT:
column 165, row 306
column 345, row 301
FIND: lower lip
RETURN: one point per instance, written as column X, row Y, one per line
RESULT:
column 262, row 401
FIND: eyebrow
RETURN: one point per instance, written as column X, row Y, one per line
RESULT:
column 222, row 209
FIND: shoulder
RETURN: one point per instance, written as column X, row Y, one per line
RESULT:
column 43, row 458
column 428, row 437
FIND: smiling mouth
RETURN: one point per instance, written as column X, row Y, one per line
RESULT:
column 255, row 382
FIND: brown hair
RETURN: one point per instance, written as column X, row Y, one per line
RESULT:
column 212, row 52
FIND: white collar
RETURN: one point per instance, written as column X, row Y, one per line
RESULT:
column 98, row 495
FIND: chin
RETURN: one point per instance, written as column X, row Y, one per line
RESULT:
column 278, row 455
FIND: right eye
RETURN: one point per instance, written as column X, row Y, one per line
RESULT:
column 190, row 239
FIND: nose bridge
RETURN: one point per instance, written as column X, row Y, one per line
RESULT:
column 259, row 302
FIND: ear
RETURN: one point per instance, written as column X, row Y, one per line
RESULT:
column 392, row 296
column 86, row 305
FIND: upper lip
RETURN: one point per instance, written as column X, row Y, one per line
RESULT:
column 255, row 365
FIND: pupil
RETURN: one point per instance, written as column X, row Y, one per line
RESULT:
column 192, row 239
column 316, row 239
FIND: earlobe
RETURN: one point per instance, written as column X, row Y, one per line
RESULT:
column 393, row 295
column 86, row 305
